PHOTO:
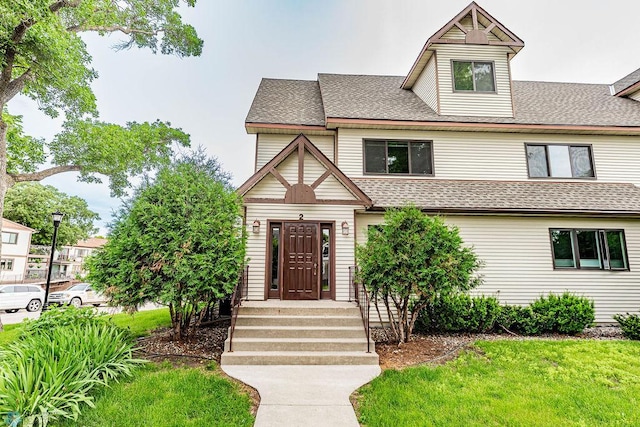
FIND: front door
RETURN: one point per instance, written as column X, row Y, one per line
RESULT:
column 300, row 261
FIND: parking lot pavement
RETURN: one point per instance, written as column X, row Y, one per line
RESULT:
column 10, row 318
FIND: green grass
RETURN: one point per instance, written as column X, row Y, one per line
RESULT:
column 10, row 333
column 513, row 383
column 143, row 322
column 166, row 397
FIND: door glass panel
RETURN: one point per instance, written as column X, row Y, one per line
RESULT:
column 375, row 157
column 326, row 260
column 275, row 258
column 398, row 157
column 588, row 248
column 559, row 161
column 562, row 248
column 537, row 158
column 615, row 241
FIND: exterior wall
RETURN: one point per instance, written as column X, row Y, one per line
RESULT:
column 426, row 86
column 452, row 103
column 257, row 243
column 519, row 266
column 17, row 252
column 496, row 156
column 271, row 144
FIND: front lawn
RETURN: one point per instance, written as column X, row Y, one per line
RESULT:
column 515, row 383
column 164, row 397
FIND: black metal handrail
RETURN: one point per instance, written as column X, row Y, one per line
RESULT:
column 239, row 293
column 358, row 293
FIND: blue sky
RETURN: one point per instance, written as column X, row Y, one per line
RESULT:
column 589, row 41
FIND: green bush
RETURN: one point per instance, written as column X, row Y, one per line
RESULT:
column 565, row 314
column 50, row 374
column 630, row 325
column 460, row 312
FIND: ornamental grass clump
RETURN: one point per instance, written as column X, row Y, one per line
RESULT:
column 51, row 373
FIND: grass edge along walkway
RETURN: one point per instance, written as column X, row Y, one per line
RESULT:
column 515, row 383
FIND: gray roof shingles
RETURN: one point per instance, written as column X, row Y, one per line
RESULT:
column 381, row 98
column 506, row 196
column 627, row 81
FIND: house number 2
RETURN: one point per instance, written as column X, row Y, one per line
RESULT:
column 300, row 217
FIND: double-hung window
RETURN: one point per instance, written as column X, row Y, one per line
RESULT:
column 473, row 76
column 9, row 237
column 559, row 161
column 589, row 248
column 398, row 157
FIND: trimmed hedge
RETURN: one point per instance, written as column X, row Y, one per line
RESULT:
column 564, row 314
column 630, row 325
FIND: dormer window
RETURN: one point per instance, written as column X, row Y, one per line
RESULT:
column 473, row 76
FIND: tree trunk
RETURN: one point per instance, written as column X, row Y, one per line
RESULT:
column 4, row 184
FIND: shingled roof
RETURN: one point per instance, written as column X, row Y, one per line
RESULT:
column 382, row 98
column 439, row 195
column 626, row 82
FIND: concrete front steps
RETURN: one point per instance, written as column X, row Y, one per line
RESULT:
column 299, row 333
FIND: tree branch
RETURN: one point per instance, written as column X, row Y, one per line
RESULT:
column 54, row 7
column 40, row 175
column 15, row 86
column 111, row 29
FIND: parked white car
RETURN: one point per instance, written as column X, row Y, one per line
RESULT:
column 16, row 297
column 77, row 295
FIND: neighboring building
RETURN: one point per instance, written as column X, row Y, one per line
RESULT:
column 16, row 240
column 541, row 178
column 69, row 260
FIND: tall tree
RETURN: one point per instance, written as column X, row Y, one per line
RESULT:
column 179, row 242
column 31, row 204
column 43, row 57
column 411, row 259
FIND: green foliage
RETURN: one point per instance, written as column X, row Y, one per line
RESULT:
column 630, row 325
column 460, row 312
column 43, row 56
column 410, row 260
column 31, row 204
column 50, row 374
column 160, row 396
column 178, row 242
column 565, row 314
column 57, row 317
column 513, row 383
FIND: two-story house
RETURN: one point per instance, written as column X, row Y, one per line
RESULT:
column 16, row 240
column 541, row 178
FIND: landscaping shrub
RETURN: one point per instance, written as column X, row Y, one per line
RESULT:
column 56, row 317
column 460, row 312
column 630, row 325
column 49, row 374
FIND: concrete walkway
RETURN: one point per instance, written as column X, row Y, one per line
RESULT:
column 304, row 395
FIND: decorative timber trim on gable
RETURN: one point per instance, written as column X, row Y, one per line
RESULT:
column 482, row 26
column 299, row 192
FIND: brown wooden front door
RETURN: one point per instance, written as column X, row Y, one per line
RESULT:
column 300, row 264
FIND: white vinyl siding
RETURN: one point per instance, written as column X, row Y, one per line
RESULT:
column 256, row 243
column 518, row 264
column 496, row 156
column 459, row 103
column 426, row 86
column 271, row 144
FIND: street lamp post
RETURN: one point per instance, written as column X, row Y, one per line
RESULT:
column 57, row 218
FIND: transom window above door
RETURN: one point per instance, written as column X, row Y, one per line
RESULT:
column 473, row 76
column 398, row 157
column 559, row 161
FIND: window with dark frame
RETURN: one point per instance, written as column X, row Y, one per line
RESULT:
column 6, row 264
column 398, row 157
column 473, row 76
column 601, row 249
column 559, row 161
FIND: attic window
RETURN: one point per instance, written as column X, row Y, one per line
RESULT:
column 473, row 76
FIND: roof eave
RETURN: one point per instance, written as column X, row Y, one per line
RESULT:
column 518, row 211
